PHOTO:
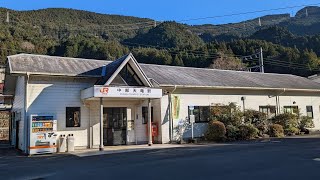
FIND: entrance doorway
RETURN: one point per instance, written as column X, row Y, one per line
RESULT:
column 115, row 126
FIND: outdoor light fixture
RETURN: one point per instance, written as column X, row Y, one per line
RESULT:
column 294, row 102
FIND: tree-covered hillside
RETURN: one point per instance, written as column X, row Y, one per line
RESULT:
column 170, row 35
column 290, row 44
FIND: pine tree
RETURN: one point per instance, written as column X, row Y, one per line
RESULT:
column 177, row 61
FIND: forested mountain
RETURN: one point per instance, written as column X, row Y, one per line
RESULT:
column 170, row 35
column 290, row 44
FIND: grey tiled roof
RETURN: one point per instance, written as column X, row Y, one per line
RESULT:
column 41, row 64
column 164, row 75
column 186, row 76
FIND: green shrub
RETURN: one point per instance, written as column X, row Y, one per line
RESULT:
column 292, row 131
column 216, row 131
column 254, row 117
column 276, row 130
column 247, row 131
column 305, row 122
column 286, row 120
column 227, row 114
column 263, row 128
column 232, row 133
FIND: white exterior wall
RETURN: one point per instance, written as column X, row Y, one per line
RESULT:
column 140, row 128
column 207, row 98
column 141, row 132
column 18, row 108
column 164, row 116
column 53, row 95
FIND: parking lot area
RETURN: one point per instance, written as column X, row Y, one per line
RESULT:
column 290, row 158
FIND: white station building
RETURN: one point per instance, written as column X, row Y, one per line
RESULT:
column 111, row 102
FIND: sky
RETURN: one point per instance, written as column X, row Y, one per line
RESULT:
column 169, row 10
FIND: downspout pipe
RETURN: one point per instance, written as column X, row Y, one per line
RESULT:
column 278, row 100
column 279, row 107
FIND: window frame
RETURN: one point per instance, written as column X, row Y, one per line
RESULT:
column 292, row 109
column 269, row 114
column 312, row 114
column 68, row 116
column 199, row 116
column 145, row 112
column 128, row 72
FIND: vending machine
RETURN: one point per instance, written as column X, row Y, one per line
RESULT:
column 43, row 138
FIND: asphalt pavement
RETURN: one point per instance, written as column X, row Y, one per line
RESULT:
column 291, row 158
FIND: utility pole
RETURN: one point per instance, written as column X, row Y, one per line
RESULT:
column 307, row 14
column 8, row 18
column 261, row 60
column 155, row 23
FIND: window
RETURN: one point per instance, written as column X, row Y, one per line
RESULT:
column 201, row 113
column 291, row 109
column 310, row 111
column 270, row 111
column 130, row 77
column 73, row 117
column 145, row 115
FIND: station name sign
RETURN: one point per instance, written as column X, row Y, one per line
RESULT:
column 127, row 92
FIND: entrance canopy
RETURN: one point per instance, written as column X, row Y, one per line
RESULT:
column 123, row 78
column 99, row 91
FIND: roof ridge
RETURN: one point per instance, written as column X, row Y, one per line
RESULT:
column 59, row 57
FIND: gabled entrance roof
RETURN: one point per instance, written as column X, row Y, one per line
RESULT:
column 111, row 71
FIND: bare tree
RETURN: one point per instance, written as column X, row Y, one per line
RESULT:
column 228, row 63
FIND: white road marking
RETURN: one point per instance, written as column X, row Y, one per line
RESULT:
column 276, row 141
column 316, row 159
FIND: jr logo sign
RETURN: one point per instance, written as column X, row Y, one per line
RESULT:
column 104, row 90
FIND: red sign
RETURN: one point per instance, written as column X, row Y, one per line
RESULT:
column 154, row 129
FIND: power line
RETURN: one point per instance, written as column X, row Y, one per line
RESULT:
column 149, row 24
column 108, row 28
column 138, row 23
column 272, row 63
column 245, row 58
column 12, row 50
column 182, row 51
column 276, row 60
column 240, row 26
column 291, row 67
column 285, row 64
column 288, row 64
column 245, row 13
column 215, row 55
column 280, row 63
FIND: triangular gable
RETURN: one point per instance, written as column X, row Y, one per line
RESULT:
column 112, row 70
column 118, row 81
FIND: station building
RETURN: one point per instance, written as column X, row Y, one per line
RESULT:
column 111, row 102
